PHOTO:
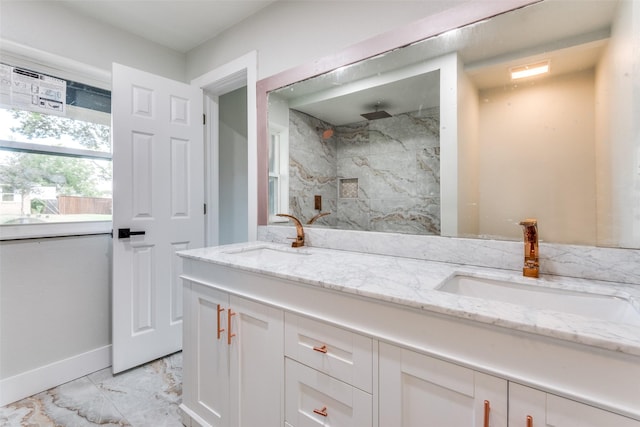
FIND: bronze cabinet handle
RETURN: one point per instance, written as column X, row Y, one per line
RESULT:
column 321, row 349
column 220, row 330
column 229, row 334
column 322, row 411
column 487, row 409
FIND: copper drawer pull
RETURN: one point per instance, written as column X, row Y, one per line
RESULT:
column 529, row 421
column 220, row 330
column 322, row 349
column 322, row 411
column 487, row 408
column 229, row 334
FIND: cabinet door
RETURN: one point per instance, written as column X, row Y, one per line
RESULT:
column 548, row 410
column 315, row 399
column 210, row 358
column 421, row 391
column 257, row 354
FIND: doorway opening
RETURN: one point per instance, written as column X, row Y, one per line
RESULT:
column 232, row 167
column 230, row 151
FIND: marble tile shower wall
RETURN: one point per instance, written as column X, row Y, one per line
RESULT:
column 393, row 164
column 312, row 168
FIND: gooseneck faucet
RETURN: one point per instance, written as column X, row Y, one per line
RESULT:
column 318, row 216
column 299, row 239
column 531, row 263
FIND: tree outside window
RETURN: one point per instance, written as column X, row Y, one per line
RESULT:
column 40, row 183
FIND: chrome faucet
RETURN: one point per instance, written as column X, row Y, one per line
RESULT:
column 531, row 263
column 298, row 241
column 318, row 216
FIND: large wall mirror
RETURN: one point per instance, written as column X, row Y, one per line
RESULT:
column 531, row 113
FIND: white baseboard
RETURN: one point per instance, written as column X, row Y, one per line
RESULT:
column 45, row 377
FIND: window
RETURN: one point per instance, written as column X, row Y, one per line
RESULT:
column 278, row 174
column 55, row 150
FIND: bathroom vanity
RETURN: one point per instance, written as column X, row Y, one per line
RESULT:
column 378, row 329
column 275, row 335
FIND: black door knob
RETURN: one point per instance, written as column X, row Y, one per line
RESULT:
column 125, row 233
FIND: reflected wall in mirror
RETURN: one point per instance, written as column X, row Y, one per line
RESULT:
column 464, row 149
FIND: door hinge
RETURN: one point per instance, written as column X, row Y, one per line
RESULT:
column 204, row 119
column 205, row 208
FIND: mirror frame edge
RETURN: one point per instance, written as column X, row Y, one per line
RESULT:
column 430, row 26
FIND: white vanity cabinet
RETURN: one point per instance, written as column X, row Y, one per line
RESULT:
column 529, row 407
column 307, row 355
column 419, row 390
column 329, row 375
column 233, row 355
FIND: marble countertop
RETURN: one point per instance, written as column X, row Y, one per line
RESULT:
column 415, row 283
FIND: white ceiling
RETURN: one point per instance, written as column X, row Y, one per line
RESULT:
column 177, row 24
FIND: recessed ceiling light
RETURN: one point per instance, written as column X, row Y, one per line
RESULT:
column 529, row 70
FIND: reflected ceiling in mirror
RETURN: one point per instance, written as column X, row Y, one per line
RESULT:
column 465, row 150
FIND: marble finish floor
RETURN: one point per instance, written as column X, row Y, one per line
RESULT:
column 141, row 397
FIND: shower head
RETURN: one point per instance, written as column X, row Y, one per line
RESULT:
column 378, row 114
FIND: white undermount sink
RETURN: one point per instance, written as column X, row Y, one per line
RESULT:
column 596, row 306
column 269, row 254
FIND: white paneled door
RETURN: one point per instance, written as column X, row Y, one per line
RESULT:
column 158, row 209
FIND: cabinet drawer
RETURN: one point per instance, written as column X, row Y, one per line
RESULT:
column 342, row 354
column 315, row 399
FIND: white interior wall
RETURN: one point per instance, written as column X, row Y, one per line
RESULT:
column 537, row 145
column 55, row 304
column 233, row 210
column 468, row 111
column 48, row 297
column 605, row 233
column 289, row 33
column 50, row 27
